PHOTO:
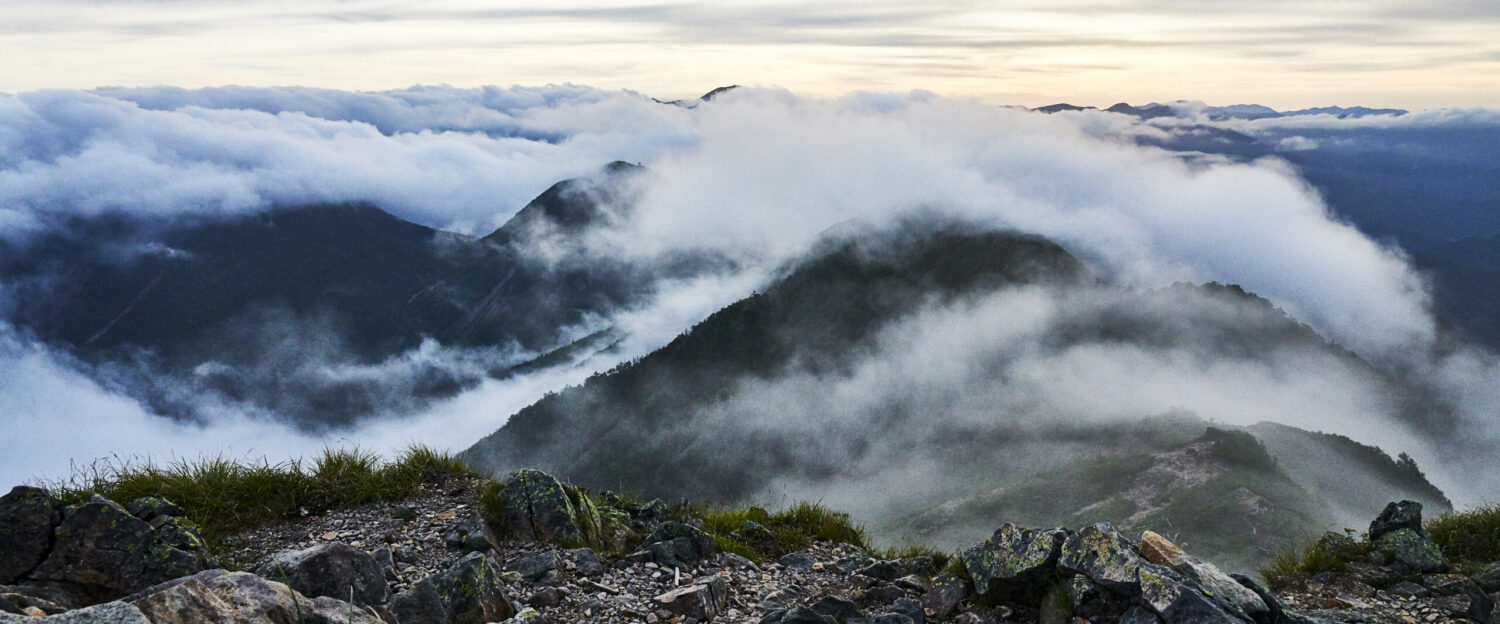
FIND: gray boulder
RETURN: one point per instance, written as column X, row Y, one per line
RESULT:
column 107, row 613
column 534, row 506
column 1224, row 590
column 537, row 568
column 798, row 615
column 1396, row 516
column 471, row 534
column 1100, row 553
column 703, row 600
column 677, row 545
column 1410, row 550
column 1178, row 601
column 472, row 591
column 946, row 593
column 840, row 609
column 422, row 604
column 797, row 561
column 153, row 507
column 102, row 552
column 27, row 515
column 242, row 598
column 1014, row 557
column 335, row 569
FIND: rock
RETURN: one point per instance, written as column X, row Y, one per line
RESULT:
column 27, row 515
column 1398, row 516
column 1275, row 613
column 911, row 609
column 893, row 618
column 677, row 545
column 546, row 598
column 243, row 598
column 472, row 534
column 588, row 564
column 1013, row 558
column 1410, row 549
column 704, row 600
column 1100, row 553
column 152, row 507
column 797, row 561
column 387, row 562
column 1475, row 604
column 107, row 613
column 797, row 616
column 527, row 616
column 471, row 591
column 179, row 533
column 1139, row 615
column 1337, row 545
column 848, row 565
column 1055, row 608
column 6, row 606
column 536, row 568
column 840, row 609
column 1229, row 593
column 1488, row 577
column 105, row 552
column 883, row 594
column 422, row 604
column 334, row 569
column 50, row 599
column 911, row 582
column 882, row 570
column 534, row 506
column 1409, row 589
column 946, row 593
column 1177, row 601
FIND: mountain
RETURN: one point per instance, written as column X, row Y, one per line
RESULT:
column 797, row 389
column 237, row 305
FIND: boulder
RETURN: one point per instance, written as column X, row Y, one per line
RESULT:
column 102, row 552
column 153, row 507
column 1397, row 516
column 27, row 515
column 882, row 570
column 1177, row 601
column 421, row 604
column 1468, row 598
column 677, row 545
column 893, row 618
column 798, row 615
column 1488, row 577
column 1226, row 591
column 534, row 506
column 471, row 534
column 587, row 562
column 1100, row 553
column 1411, row 550
column 703, row 600
column 1275, row 613
column 107, row 613
column 472, row 592
column 946, row 593
column 334, row 569
column 537, row 568
column 798, row 561
column 840, row 609
column 242, row 598
column 1014, row 558
column 1139, row 615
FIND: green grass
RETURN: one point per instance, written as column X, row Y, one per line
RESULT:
column 223, row 496
column 1469, row 539
column 789, row 530
column 1291, row 565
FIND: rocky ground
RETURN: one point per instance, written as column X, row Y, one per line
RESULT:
column 434, row 558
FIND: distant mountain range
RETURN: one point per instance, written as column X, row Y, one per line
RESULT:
column 1218, row 113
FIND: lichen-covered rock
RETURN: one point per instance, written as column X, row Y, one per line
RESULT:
column 1475, row 603
column 535, row 506
column 840, row 609
column 1014, row 557
column 947, row 591
column 152, row 507
column 472, row 591
column 677, row 545
column 1102, row 554
column 242, row 598
column 27, row 515
column 536, row 568
column 472, row 534
column 703, row 600
column 421, row 604
column 107, row 613
column 334, row 569
column 1229, row 593
column 1397, row 516
column 103, row 552
column 1178, row 601
column 1410, row 549
column 1488, row 577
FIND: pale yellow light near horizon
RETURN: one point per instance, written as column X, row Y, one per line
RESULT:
column 1007, row 53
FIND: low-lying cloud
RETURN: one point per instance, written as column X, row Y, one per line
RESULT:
column 756, row 176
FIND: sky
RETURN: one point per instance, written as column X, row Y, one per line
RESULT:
column 1280, row 53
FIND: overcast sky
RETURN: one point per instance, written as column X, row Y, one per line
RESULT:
column 1286, row 54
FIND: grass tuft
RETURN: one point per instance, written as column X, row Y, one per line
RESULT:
column 223, row 496
column 1469, row 539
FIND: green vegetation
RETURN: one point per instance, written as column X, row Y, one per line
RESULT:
column 1470, row 539
column 1325, row 555
column 222, row 496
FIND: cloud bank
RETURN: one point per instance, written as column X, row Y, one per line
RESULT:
column 756, row 175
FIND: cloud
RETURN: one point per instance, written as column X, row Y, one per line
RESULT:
column 757, row 176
